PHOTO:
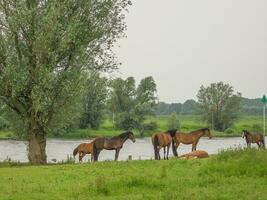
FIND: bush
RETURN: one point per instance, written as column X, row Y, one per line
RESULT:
column 151, row 126
column 229, row 131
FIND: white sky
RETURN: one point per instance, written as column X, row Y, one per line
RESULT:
column 186, row 43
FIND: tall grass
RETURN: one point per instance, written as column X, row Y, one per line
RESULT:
column 233, row 174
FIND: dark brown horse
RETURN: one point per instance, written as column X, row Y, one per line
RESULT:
column 83, row 149
column 162, row 140
column 190, row 138
column 111, row 143
column 254, row 138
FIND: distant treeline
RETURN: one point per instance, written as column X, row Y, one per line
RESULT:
column 191, row 107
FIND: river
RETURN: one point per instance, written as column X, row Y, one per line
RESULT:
column 60, row 149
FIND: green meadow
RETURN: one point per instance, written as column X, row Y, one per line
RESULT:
column 188, row 123
column 233, row 174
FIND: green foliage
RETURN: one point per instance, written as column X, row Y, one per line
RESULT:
column 94, row 101
column 189, row 107
column 46, row 47
column 251, row 106
column 130, row 104
column 219, row 104
column 4, row 123
column 173, row 122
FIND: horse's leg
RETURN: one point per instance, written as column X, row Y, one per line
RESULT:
column 168, row 148
column 159, row 153
column 92, row 157
column 156, row 153
column 259, row 144
column 193, row 147
column 82, row 154
column 117, row 154
column 164, row 151
column 96, row 154
column 196, row 145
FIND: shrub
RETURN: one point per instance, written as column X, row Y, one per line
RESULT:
column 229, row 131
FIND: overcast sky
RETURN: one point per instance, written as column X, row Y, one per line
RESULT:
column 184, row 44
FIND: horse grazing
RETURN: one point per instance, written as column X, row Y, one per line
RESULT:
column 254, row 138
column 195, row 154
column 190, row 138
column 162, row 140
column 83, row 149
column 111, row 143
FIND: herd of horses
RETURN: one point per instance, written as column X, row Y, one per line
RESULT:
column 170, row 138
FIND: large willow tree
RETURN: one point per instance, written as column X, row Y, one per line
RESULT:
column 45, row 48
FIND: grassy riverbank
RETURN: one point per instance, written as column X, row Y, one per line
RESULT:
column 188, row 123
column 238, row 174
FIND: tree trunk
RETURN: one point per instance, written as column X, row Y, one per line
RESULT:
column 36, row 148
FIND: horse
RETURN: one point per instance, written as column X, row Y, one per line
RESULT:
column 254, row 138
column 83, row 149
column 190, row 138
column 195, row 154
column 162, row 140
column 111, row 143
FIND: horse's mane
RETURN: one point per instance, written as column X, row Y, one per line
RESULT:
column 124, row 134
column 202, row 129
column 172, row 132
column 246, row 132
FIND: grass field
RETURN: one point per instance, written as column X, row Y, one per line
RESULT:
column 235, row 174
column 188, row 123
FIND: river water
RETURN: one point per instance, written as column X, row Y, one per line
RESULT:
column 142, row 149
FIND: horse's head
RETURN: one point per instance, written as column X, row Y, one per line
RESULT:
column 131, row 136
column 172, row 132
column 207, row 133
column 244, row 133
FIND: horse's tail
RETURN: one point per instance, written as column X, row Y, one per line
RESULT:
column 75, row 151
column 155, row 143
column 174, row 150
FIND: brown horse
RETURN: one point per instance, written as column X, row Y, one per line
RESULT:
column 162, row 140
column 83, row 149
column 254, row 138
column 111, row 143
column 195, row 154
column 190, row 138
